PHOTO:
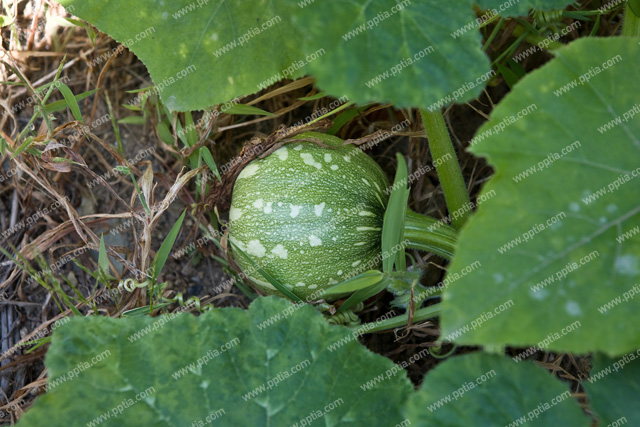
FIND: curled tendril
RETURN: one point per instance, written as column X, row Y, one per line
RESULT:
column 551, row 17
column 195, row 301
column 130, row 285
column 436, row 352
column 347, row 318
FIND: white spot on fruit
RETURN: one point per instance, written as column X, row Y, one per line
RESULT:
column 334, row 167
column 318, row 209
column 300, row 284
column 254, row 247
column 359, row 243
column 235, row 214
column 346, row 158
column 312, row 286
column 355, row 264
column 295, row 210
column 250, row 170
column 280, row 251
column 366, row 182
column 368, row 229
column 298, row 147
column 366, row 213
column 308, row 159
column 327, row 157
column 339, row 272
column 282, row 153
column 258, row 204
column 268, row 209
column 314, row 241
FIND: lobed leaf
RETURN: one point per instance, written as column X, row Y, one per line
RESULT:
column 488, row 390
column 558, row 238
column 188, row 368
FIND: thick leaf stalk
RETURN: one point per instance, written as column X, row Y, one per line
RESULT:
column 429, row 234
column 447, row 167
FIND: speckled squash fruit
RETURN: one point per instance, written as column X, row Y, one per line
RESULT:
column 308, row 215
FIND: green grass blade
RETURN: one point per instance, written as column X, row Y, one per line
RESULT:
column 362, row 295
column 361, row 281
column 205, row 154
column 192, row 136
column 393, row 227
column 103, row 259
column 71, row 101
column 62, row 104
column 22, row 147
column 163, row 253
column 116, row 129
column 246, row 110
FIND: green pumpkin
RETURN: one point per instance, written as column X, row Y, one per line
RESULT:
column 310, row 216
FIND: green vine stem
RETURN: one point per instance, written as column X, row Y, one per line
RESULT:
column 400, row 321
column 429, row 234
column 441, row 147
column 631, row 23
column 535, row 39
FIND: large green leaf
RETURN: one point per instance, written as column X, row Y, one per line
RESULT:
column 371, row 52
column 199, row 52
column 548, row 272
column 347, row 45
column 488, row 390
column 613, row 388
column 264, row 346
column 521, row 8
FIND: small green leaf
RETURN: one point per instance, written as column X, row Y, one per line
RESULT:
column 164, row 133
column 192, row 136
column 71, row 101
column 132, row 120
column 5, row 20
column 318, row 95
column 103, row 259
column 363, row 295
column 62, row 104
column 76, row 22
column 345, row 117
column 22, row 147
column 392, row 230
column 163, row 253
column 123, row 169
column 246, row 110
column 361, row 281
column 208, row 159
